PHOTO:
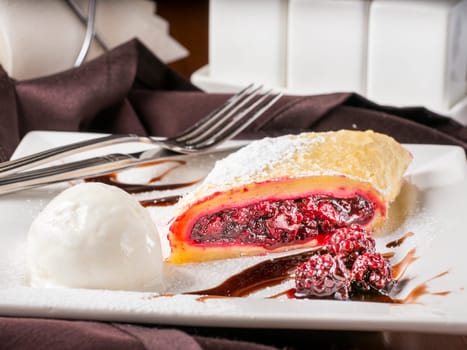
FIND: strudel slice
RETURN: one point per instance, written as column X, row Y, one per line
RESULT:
column 288, row 192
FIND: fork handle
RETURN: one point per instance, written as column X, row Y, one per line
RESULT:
column 36, row 159
column 95, row 166
column 66, row 172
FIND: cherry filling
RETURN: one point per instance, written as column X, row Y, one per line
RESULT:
column 272, row 223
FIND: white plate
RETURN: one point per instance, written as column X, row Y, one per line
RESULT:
column 440, row 240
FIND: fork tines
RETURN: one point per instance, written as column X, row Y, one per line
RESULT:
column 231, row 118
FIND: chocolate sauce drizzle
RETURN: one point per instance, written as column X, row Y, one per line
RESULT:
column 399, row 269
column 398, row 242
column 421, row 290
column 277, row 270
column 112, row 179
column 161, row 202
column 265, row 274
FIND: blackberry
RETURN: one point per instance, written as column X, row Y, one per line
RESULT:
column 371, row 272
column 322, row 276
column 350, row 242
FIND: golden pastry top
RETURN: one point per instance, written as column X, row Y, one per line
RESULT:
column 364, row 156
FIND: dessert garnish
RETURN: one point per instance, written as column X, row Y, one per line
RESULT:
column 279, row 194
column 347, row 265
column 322, row 276
column 350, row 242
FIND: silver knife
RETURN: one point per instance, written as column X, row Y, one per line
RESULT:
column 95, row 167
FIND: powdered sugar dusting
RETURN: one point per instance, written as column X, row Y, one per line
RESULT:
column 240, row 167
column 361, row 156
column 253, row 161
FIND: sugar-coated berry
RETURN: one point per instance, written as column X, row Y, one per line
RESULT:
column 322, row 276
column 371, row 272
column 349, row 243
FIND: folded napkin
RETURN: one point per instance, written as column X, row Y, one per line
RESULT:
column 38, row 334
column 129, row 90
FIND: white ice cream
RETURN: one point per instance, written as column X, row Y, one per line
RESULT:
column 95, row 236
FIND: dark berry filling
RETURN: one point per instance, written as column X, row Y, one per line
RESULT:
column 272, row 223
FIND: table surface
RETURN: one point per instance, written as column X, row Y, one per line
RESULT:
column 189, row 25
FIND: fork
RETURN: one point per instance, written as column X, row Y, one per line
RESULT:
column 222, row 124
column 98, row 166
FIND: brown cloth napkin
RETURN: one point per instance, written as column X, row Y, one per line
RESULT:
column 128, row 90
column 48, row 334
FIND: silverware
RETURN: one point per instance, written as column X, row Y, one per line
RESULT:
column 237, row 113
column 90, row 31
column 94, row 167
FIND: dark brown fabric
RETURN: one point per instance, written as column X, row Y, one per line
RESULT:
column 46, row 334
column 128, row 90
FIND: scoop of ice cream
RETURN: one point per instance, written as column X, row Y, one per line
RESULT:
column 94, row 236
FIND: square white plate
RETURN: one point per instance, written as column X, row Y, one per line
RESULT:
column 437, row 219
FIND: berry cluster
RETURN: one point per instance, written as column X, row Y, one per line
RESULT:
column 349, row 264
